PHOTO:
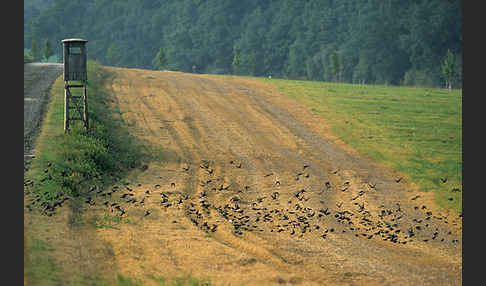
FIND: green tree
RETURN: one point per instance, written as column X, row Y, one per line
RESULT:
column 34, row 51
column 47, row 50
column 236, row 59
column 335, row 66
column 449, row 69
column 112, row 55
column 160, row 60
column 252, row 62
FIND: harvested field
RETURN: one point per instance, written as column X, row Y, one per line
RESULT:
column 247, row 187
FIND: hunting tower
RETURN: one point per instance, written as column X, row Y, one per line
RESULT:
column 74, row 56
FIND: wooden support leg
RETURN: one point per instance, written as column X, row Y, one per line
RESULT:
column 66, row 109
column 85, row 105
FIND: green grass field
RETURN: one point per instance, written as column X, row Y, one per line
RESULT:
column 417, row 131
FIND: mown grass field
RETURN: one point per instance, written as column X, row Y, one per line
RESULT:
column 416, row 131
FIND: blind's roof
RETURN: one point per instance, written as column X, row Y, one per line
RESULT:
column 73, row 40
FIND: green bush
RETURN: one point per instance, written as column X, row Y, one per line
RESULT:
column 28, row 59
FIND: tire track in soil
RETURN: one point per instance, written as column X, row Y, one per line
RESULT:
column 265, row 184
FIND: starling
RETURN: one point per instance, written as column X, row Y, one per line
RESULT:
column 443, row 180
column 275, row 195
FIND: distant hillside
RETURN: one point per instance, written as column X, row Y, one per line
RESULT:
column 386, row 42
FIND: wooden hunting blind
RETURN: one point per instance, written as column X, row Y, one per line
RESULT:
column 74, row 56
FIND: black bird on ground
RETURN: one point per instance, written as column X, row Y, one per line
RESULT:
column 275, row 195
column 328, row 184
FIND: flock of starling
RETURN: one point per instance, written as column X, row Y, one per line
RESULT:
column 278, row 212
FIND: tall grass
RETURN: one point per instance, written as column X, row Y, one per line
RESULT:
column 417, row 131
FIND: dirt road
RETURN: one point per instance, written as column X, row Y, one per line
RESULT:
column 254, row 190
column 38, row 78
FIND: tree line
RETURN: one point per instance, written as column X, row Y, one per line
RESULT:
column 415, row 42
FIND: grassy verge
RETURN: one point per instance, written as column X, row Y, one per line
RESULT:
column 66, row 164
column 417, row 131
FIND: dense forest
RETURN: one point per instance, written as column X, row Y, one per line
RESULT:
column 358, row 41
